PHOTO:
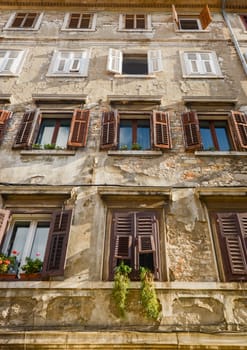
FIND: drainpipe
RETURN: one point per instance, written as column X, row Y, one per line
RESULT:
column 234, row 39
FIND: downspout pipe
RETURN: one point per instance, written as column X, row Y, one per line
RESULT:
column 233, row 36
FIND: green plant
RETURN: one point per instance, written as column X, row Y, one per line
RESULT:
column 6, row 262
column 148, row 295
column 50, row 146
column 124, row 147
column 36, row 146
column 32, row 265
column 136, row 146
column 121, row 287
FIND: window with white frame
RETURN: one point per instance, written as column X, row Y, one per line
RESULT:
column 11, row 61
column 197, row 64
column 129, row 63
column 24, row 21
column 136, row 22
column 79, row 21
column 69, row 63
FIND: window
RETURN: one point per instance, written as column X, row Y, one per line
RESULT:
column 4, row 116
column 135, row 241
column 133, row 63
column 215, row 133
column 11, row 61
column 79, row 21
column 38, row 235
column 231, row 228
column 189, row 23
column 27, row 21
column 56, row 129
column 198, row 64
column 244, row 21
column 66, row 63
column 135, row 130
column 136, row 22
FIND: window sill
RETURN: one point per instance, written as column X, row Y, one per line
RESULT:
column 78, row 30
column 45, row 152
column 139, row 76
column 203, row 76
column 21, row 29
column 220, row 153
column 134, row 153
column 66, row 75
column 136, row 30
column 9, row 74
column 191, row 31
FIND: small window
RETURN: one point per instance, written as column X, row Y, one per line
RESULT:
column 134, row 64
column 53, row 130
column 11, row 61
column 202, row 133
column 135, row 131
column 136, row 22
column 42, row 236
column 25, row 21
column 197, row 64
column 66, row 63
column 190, row 23
column 79, row 21
column 135, row 241
column 244, row 21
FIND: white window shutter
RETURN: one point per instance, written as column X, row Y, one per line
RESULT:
column 10, row 61
column 192, row 63
column 149, row 22
column 94, row 19
column 121, row 21
column 115, row 61
column 84, row 62
column 207, row 63
column 154, row 61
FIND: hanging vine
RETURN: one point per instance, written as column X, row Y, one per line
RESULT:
column 121, row 287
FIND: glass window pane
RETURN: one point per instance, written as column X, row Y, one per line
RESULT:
column 46, row 131
column 18, row 239
column 125, row 135
column 40, row 240
column 222, row 136
column 206, row 136
column 143, row 134
column 63, row 134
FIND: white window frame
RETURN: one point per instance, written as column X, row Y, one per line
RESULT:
column 92, row 25
column 190, row 19
column 79, row 70
column 200, row 64
column 16, row 65
column 12, row 18
column 116, row 57
column 148, row 23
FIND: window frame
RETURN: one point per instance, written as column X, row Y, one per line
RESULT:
column 203, row 19
column 69, row 71
column 37, row 22
column 243, row 19
column 92, row 22
column 147, row 22
column 17, row 64
column 187, row 68
column 116, row 56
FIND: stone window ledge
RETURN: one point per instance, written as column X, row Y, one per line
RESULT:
column 220, row 153
column 134, row 153
column 46, row 152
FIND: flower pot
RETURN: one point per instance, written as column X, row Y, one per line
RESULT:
column 34, row 276
column 8, row 277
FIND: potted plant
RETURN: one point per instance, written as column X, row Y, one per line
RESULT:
column 136, row 146
column 32, row 268
column 121, row 287
column 7, row 267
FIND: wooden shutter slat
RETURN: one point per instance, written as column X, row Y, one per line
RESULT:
column 146, row 244
column 191, row 129
column 4, row 116
column 232, row 246
column 239, row 123
column 4, row 219
column 123, row 247
column 57, row 243
column 161, row 127
column 205, row 17
column 23, row 137
column 109, row 130
column 79, row 128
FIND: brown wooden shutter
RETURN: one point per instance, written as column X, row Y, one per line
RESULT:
column 239, row 124
column 147, row 236
column 233, row 244
column 161, row 127
column 24, row 135
column 79, row 128
column 175, row 15
column 4, row 219
column 205, row 17
column 191, row 128
column 4, row 116
column 57, row 243
column 244, row 20
column 109, row 130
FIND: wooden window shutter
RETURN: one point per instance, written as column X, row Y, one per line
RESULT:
column 79, row 128
column 109, row 130
column 4, row 219
column 244, row 20
column 123, row 247
column 161, row 127
column 24, row 135
column 175, row 15
column 4, row 116
column 205, row 17
column 233, row 245
column 57, row 243
column 191, row 128
column 239, row 123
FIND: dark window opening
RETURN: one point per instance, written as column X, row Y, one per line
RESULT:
column 135, row 22
column 23, row 20
column 79, row 21
column 244, row 20
column 189, row 24
column 54, row 132
column 135, row 64
column 215, row 135
column 134, row 132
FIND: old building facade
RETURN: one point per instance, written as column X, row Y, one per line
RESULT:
column 123, row 131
